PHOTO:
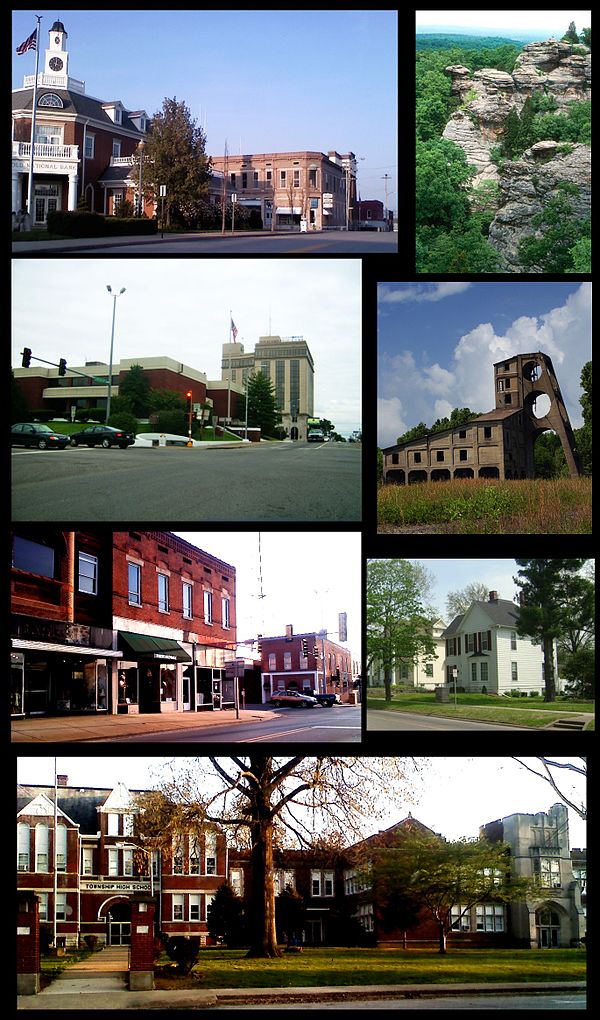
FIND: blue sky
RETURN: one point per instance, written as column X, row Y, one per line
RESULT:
column 437, row 343
column 544, row 24
column 265, row 81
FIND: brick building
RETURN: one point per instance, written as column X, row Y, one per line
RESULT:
column 98, row 867
column 290, row 187
column 132, row 622
column 305, row 662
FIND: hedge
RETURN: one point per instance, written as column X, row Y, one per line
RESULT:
column 88, row 224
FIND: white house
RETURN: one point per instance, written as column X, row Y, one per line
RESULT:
column 484, row 645
column 421, row 672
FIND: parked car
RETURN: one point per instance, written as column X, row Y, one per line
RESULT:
column 102, row 435
column 36, row 434
column 328, row 700
column 282, row 698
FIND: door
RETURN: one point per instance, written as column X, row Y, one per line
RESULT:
column 119, row 925
column 17, row 683
column 46, row 200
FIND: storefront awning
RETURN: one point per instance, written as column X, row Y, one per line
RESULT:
column 49, row 646
column 144, row 646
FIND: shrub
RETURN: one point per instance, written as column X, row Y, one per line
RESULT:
column 43, row 414
column 172, row 421
column 90, row 414
column 90, row 941
column 88, row 224
column 183, row 950
column 123, row 420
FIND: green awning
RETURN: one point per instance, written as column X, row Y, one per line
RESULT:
column 144, row 646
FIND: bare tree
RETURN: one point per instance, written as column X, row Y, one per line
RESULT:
column 457, row 602
column 545, row 771
column 266, row 802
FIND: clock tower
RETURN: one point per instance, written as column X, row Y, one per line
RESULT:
column 57, row 58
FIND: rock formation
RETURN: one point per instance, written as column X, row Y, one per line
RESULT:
column 528, row 185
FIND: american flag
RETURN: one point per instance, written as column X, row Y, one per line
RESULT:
column 29, row 44
column 234, row 329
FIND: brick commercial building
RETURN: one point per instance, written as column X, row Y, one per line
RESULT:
column 130, row 622
column 498, row 444
column 89, row 875
column 306, row 663
column 291, row 188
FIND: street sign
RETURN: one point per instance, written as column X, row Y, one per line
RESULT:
column 162, row 191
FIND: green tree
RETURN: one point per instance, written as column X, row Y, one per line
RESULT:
column 559, row 231
column 398, row 623
column 583, row 436
column 579, row 670
column 161, row 399
column 581, row 256
column 586, row 37
column 262, row 405
column 462, row 250
column 442, row 174
column 134, row 388
column 571, row 34
column 436, row 875
column 225, row 917
column 175, row 157
column 546, row 611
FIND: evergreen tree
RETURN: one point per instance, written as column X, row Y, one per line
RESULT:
column 262, row 405
column 175, row 156
column 583, row 435
column 571, row 34
column 134, row 389
column 225, row 917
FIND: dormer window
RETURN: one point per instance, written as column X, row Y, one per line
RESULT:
column 51, row 99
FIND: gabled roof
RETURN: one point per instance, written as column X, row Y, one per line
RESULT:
column 501, row 612
column 75, row 103
column 80, row 805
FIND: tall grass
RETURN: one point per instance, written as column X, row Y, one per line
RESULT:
column 483, row 506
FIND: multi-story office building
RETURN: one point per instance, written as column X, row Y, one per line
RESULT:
column 288, row 363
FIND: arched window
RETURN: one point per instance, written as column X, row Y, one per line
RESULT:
column 51, row 99
column 61, row 848
column 23, row 844
column 41, row 847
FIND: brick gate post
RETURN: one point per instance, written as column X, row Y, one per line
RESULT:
column 141, row 957
column 28, row 943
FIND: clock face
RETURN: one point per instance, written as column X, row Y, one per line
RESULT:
column 57, row 39
column 56, row 64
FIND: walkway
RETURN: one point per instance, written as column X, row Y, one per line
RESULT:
column 105, row 971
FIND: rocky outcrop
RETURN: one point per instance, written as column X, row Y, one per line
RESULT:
column 528, row 185
column 487, row 97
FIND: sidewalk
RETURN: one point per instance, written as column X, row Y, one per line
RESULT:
column 238, row 997
column 75, row 244
column 69, row 728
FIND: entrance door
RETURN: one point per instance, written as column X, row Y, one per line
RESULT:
column 149, row 688
column 314, row 932
column 17, row 682
column 46, row 200
column 119, row 925
column 548, row 924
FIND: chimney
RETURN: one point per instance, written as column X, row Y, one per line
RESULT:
column 62, row 780
column 493, row 596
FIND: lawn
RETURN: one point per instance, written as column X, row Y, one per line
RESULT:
column 221, row 968
column 531, row 712
column 476, row 506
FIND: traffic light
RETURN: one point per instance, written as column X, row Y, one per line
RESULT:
column 26, row 352
column 316, row 651
column 189, row 401
column 62, row 366
column 304, row 646
column 259, row 644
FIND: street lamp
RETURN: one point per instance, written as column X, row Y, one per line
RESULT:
column 112, row 339
column 140, row 148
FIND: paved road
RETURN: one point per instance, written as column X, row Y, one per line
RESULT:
column 335, row 242
column 570, row 1000
column 340, row 725
column 406, row 721
column 266, row 482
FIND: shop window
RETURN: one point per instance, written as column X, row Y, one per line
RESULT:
column 35, row 557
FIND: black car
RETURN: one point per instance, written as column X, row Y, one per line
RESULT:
column 103, row 435
column 36, row 434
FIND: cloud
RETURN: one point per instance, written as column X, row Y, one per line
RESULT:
column 388, row 294
column 426, row 391
column 390, row 421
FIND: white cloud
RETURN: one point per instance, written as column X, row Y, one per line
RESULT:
column 390, row 293
column 564, row 334
column 390, row 421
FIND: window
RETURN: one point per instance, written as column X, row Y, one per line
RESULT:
column 365, row 916
column 128, row 863
column 187, row 600
column 23, row 835
column 487, row 432
column 113, row 862
column 116, row 149
column 483, row 675
column 514, row 672
column 236, row 880
column 312, row 178
column 272, row 662
column 474, row 672
column 208, row 607
column 43, row 898
column 296, row 178
column 460, row 921
column 178, row 906
column 225, row 603
column 462, row 433
column 315, row 883
column 282, row 178
column 127, row 825
column 513, row 640
column 462, row 454
column 51, row 99
column 328, row 883
column 489, row 917
column 90, row 142
column 41, row 848
column 417, row 458
column 210, row 854
column 34, row 557
column 287, row 660
column 177, row 857
column 135, row 584
column 163, row 593
column 88, row 573
column 244, row 180
column 321, row 883
column 469, row 642
column 61, row 848
column 87, row 860
column 439, row 454
column 113, row 825
column 547, row 871
column 61, row 906
column 428, row 669
column 194, row 866
column 194, row 906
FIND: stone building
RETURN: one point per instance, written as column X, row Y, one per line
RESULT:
column 498, row 444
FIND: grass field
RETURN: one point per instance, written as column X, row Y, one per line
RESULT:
column 221, row 968
column 531, row 712
column 483, row 506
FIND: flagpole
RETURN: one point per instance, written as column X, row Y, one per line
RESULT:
column 35, row 83
column 229, row 375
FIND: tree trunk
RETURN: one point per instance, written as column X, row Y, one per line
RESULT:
column 549, row 679
column 442, row 937
column 387, row 683
column 263, row 935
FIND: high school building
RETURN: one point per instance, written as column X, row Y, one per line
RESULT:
column 81, row 858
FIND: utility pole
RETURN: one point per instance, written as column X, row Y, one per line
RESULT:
column 386, row 178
